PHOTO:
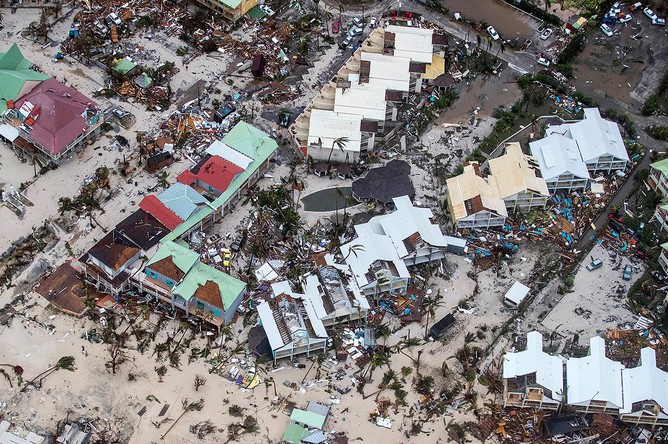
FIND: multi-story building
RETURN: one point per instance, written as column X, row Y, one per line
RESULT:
column 387, row 245
column 473, row 202
column 645, row 392
column 361, row 103
column 533, row 378
column 658, row 177
column 572, row 151
column 230, row 9
column 108, row 264
column 594, row 382
column 291, row 324
column 176, row 276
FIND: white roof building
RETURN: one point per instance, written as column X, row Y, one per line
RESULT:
column 220, row 149
column 549, row 369
column 363, row 100
column 645, row 391
column 594, row 378
column 327, row 126
column 291, row 323
column 412, row 43
column 334, row 297
column 402, row 238
column 557, row 155
column 516, row 294
column 594, row 136
column 387, row 71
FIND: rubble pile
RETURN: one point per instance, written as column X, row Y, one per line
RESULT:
column 625, row 345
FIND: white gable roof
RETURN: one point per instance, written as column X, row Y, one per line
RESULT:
column 387, row 71
column 549, row 369
column 594, row 377
column 557, row 155
column 220, row 149
column 517, row 293
column 327, row 126
column 645, row 382
column 269, row 325
column 363, row 100
column 594, row 136
column 412, row 43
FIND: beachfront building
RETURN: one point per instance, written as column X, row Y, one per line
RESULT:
column 52, row 120
column 176, row 276
column 573, row 151
column 533, row 378
column 661, row 216
column 594, row 382
column 663, row 258
column 388, row 244
column 473, row 202
column 360, row 105
column 598, row 140
column 291, row 324
column 560, row 163
column 107, row 265
column 230, row 9
column 17, row 78
column 235, row 163
column 334, row 297
column 658, row 177
column 516, row 179
column 645, row 392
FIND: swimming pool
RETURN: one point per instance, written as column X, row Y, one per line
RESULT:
column 328, row 199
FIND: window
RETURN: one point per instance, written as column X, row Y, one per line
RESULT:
column 170, row 283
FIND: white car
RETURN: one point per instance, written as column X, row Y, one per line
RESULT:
column 649, row 13
column 372, row 22
column 267, row 10
column 114, row 18
column 659, row 21
column 493, row 32
column 547, row 32
column 606, row 30
column 543, row 61
column 625, row 18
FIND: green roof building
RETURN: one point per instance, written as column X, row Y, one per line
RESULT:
column 294, row 434
column 16, row 77
column 124, row 66
column 245, row 146
column 658, row 177
column 308, row 419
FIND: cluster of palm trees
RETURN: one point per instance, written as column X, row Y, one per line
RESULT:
column 64, row 363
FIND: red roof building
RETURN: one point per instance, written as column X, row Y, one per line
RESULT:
column 55, row 118
column 214, row 175
column 152, row 205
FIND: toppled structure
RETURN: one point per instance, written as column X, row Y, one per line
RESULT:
column 573, row 151
column 387, row 245
column 514, row 183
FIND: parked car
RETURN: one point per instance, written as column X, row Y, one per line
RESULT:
column 238, row 241
column 372, row 22
column 547, row 32
column 346, row 42
column 635, row 7
column 595, row 264
column 336, row 26
column 542, row 61
column 227, row 257
column 628, row 272
column 113, row 19
column 659, row 21
column 101, row 29
column 606, row 30
column 650, row 14
column 267, row 10
column 493, row 32
column 354, row 31
column 624, row 18
column 358, row 22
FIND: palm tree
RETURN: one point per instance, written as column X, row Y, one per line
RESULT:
column 354, row 249
column 430, row 305
column 64, row 363
column 163, row 180
column 340, row 143
column 378, row 359
column 193, row 406
column 238, row 350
